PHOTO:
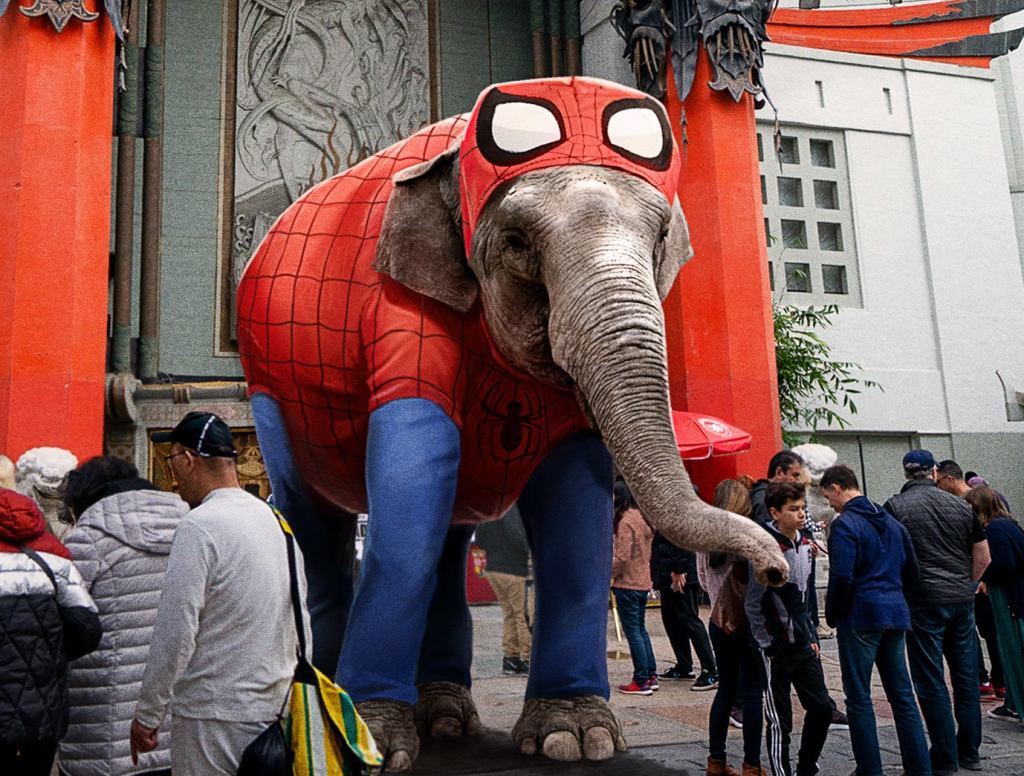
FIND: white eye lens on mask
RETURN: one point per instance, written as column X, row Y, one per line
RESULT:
column 518, row 127
column 638, row 131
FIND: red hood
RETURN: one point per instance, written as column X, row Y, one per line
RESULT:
column 22, row 522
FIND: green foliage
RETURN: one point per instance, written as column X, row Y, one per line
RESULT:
column 814, row 389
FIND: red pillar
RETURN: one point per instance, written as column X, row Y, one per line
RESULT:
column 718, row 317
column 55, row 123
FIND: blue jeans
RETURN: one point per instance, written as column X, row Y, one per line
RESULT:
column 947, row 630
column 632, row 606
column 859, row 652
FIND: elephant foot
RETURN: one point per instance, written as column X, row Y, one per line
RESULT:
column 394, row 730
column 446, row 710
column 569, row 729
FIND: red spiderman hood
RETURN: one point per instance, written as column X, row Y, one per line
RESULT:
column 530, row 125
column 22, row 522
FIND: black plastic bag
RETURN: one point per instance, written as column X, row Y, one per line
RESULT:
column 269, row 754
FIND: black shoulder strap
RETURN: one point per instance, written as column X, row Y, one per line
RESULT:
column 41, row 563
column 293, row 575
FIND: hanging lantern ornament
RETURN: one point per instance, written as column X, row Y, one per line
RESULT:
column 63, row 11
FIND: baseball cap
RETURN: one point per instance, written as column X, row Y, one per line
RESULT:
column 203, row 433
column 916, row 460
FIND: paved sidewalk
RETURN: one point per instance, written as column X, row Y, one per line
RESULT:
column 666, row 732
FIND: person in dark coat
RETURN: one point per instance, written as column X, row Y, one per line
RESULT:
column 508, row 565
column 952, row 552
column 871, row 561
column 48, row 619
column 785, row 466
column 674, row 573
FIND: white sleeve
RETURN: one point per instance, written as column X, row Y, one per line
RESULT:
column 177, row 620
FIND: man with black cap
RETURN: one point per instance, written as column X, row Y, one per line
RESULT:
column 224, row 643
column 952, row 553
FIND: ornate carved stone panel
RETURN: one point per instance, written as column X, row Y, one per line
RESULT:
column 320, row 85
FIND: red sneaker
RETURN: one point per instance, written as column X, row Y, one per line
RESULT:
column 986, row 691
column 635, row 689
column 1000, row 692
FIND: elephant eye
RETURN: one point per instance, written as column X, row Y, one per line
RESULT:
column 513, row 129
column 639, row 131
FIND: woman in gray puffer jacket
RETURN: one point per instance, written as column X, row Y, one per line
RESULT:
column 120, row 544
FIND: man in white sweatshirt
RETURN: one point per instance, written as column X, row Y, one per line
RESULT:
column 224, row 644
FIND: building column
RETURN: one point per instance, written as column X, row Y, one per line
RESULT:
column 718, row 318
column 55, row 181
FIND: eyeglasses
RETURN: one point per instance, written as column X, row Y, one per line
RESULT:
column 168, row 458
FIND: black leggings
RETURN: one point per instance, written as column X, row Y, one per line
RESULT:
column 680, row 613
column 740, row 682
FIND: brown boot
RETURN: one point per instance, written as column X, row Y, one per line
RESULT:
column 754, row 770
column 718, row 767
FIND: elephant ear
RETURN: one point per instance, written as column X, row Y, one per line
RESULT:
column 676, row 250
column 420, row 242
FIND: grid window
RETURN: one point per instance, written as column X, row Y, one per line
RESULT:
column 826, row 194
column 791, row 192
column 789, row 150
column 822, row 153
column 833, row 279
column 798, row 276
column 808, row 217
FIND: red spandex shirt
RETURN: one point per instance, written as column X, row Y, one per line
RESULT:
column 331, row 339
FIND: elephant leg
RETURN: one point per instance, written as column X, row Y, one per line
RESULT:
column 326, row 538
column 412, row 465
column 445, row 708
column 567, row 511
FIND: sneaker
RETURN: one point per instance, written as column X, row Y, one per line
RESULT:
column 635, row 689
column 1001, row 712
column 839, row 720
column 971, row 765
column 736, row 717
column 510, row 665
column 706, row 681
column 985, row 690
column 1000, row 692
column 652, row 682
column 522, row 666
column 675, row 674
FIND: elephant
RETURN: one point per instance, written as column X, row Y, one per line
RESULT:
column 469, row 319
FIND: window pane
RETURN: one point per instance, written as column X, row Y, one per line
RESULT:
column 760, row 148
column 794, row 234
column 826, row 195
column 768, row 238
column 764, row 192
column 822, row 154
column 830, row 237
column 798, row 277
column 771, row 275
column 791, row 193
column 790, row 153
column 833, row 279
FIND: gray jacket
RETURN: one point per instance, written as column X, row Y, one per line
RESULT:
column 121, row 546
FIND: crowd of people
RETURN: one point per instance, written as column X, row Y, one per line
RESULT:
column 919, row 582
column 156, row 603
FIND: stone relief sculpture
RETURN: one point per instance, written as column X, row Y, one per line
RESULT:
column 39, row 474
column 321, row 85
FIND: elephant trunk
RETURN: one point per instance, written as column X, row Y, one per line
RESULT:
column 612, row 344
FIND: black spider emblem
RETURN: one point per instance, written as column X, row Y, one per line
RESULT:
column 510, row 430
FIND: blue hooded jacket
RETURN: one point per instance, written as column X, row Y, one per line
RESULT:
column 871, row 560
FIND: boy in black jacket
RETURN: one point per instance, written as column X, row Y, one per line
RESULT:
column 781, row 626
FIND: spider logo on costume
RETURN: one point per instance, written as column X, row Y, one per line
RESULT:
column 514, row 432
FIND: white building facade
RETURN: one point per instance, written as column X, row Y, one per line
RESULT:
column 895, row 200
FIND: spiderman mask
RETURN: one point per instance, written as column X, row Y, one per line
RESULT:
column 530, row 125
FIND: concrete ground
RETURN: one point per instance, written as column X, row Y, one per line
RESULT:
column 666, row 732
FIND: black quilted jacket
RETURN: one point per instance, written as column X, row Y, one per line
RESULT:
column 46, row 619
